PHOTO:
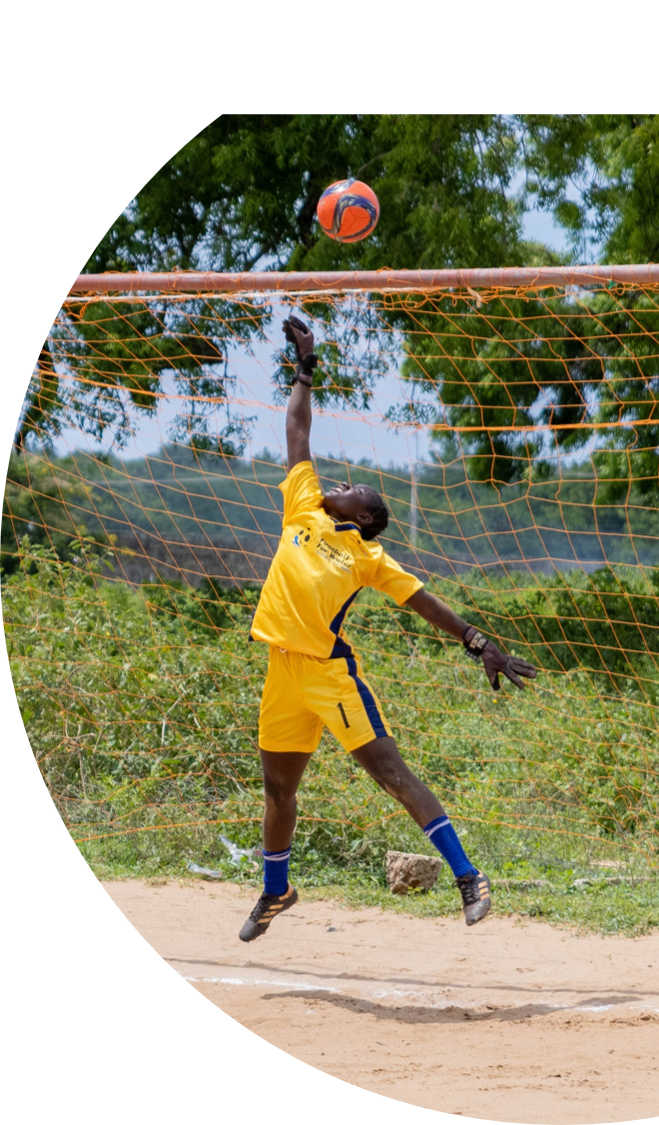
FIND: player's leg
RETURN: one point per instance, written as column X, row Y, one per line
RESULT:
column 382, row 761
column 288, row 734
column 353, row 712
column 282, row 772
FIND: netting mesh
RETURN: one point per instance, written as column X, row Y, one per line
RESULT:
column 130, row 577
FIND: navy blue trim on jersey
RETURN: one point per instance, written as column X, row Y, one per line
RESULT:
column 341, row 648
column 370, row 706
column 347, row 527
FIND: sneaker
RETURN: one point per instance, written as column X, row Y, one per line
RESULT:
column 475, row 891
column 267, row 908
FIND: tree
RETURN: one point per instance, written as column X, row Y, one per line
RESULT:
column 611, row 162
column 527, row 360
column 243, row 194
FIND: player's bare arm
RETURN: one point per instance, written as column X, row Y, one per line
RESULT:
column 298, row 415
column 356, row 503
column 440, row 615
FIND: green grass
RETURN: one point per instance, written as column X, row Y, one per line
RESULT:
column 597, row 909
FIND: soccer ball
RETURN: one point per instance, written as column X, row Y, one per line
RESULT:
column 348, row 210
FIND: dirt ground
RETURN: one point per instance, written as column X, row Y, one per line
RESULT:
column 511, row 1020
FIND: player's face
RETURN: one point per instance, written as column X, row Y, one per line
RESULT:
column 350, row 503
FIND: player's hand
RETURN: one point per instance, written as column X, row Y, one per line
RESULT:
column 496, row 661
column 298, row 334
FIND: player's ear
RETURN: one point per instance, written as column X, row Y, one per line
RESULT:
column 364, row 518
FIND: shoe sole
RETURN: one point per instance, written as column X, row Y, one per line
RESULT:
column 473, row 921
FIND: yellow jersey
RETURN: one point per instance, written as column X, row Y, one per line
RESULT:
column 318, row 570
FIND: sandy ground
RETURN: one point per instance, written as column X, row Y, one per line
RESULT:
column 509, row 1020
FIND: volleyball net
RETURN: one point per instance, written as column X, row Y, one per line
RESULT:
column 510, row 419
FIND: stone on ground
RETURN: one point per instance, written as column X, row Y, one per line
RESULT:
column 406, row 871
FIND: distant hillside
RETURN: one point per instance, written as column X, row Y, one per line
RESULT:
column 197, row 515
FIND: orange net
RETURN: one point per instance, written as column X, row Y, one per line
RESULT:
column 513, row 434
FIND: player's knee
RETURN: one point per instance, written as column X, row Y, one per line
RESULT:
column 279, row 793
column 391, row 775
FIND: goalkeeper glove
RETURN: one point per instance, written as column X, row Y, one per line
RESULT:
column 297, row 333
column 479, row 647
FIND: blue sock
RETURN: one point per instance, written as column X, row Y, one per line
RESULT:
column 442, row 834
column 275, row 872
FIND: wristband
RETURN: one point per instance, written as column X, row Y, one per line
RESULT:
column 304, row 370
column 306, row 366
column 476, row 643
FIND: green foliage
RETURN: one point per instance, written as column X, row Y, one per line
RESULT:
column 244, row 192
column 605, row 622
column 46, row 502
column 539, row 359
column 523, row 886
column 207, row 610
column 128, row 711
column 614, row 158
column 103, row 364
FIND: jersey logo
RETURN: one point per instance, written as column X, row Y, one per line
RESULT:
column 342, row 559
column 302, row 538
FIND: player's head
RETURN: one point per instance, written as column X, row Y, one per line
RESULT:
column 357, row 504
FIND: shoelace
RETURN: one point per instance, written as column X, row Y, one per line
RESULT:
column 469, row 888
column 263, row 903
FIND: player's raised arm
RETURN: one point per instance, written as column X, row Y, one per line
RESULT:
column 477, row 646
column 298, row 415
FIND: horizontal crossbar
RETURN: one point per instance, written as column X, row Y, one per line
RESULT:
column 411, row 281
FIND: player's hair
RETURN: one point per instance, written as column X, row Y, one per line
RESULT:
column 380, row 513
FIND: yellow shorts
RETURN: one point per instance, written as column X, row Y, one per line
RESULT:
column 302, row 694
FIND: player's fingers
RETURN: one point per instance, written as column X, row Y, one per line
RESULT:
column 513, row 677
column 493, row 677
column 524, row 669
column 298, row 324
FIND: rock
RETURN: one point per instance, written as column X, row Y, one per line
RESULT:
column 405, row 870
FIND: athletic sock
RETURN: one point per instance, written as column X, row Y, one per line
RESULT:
column 275, row 872
column 442, row 834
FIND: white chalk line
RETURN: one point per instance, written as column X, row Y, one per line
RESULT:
column 381, row 994
column 299, row 986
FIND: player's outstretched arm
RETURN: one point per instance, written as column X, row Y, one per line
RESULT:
column 477, row 646
column 298, row 415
